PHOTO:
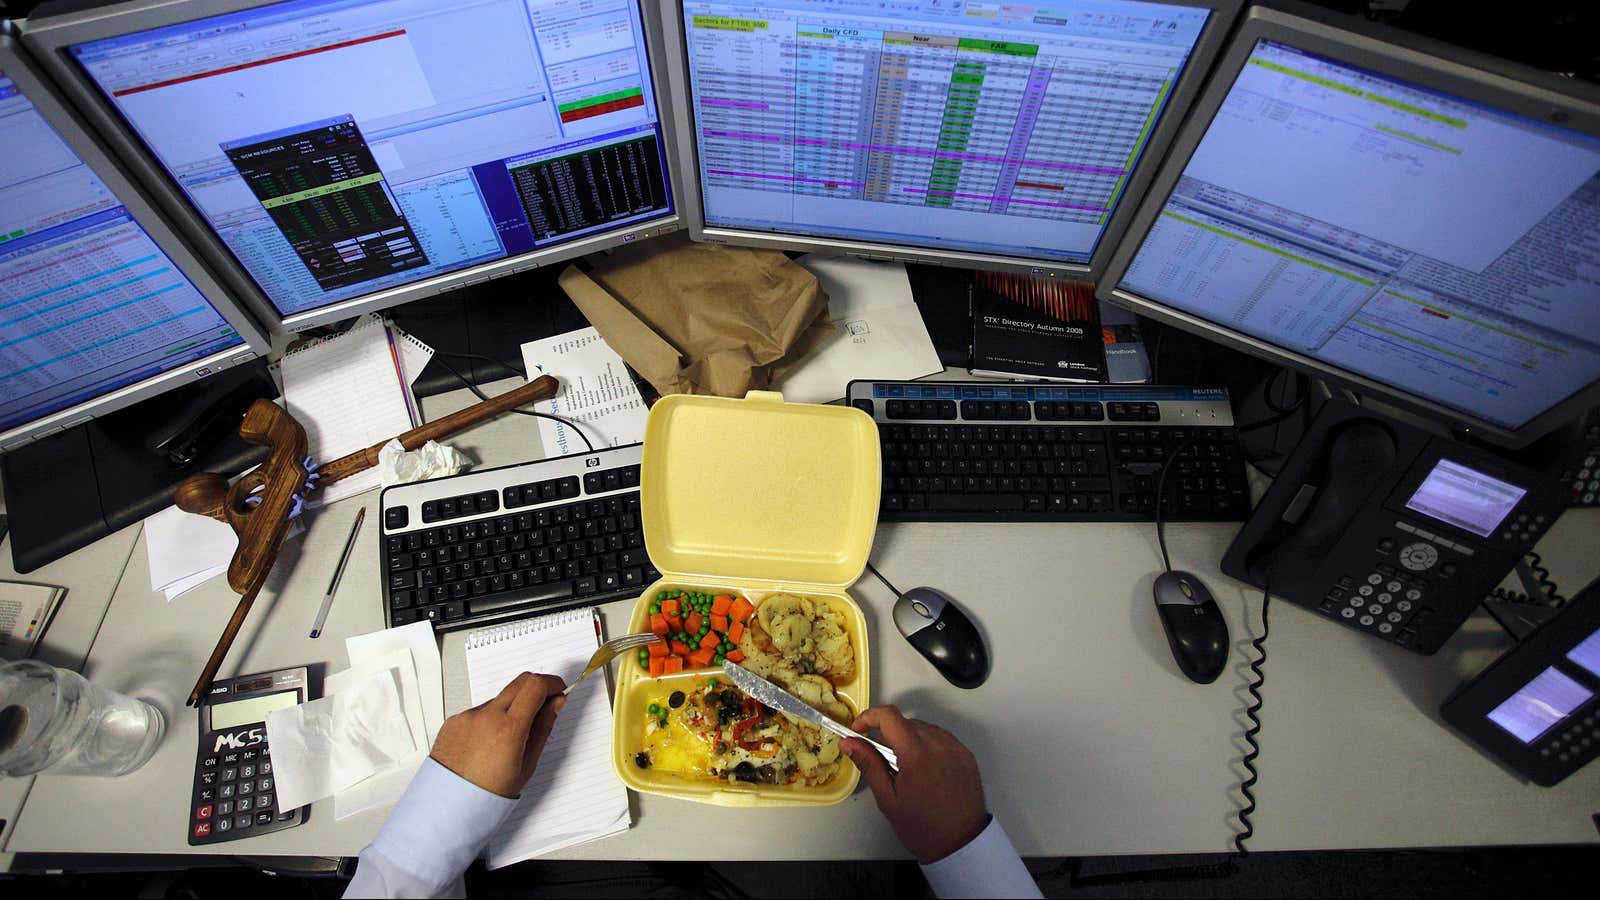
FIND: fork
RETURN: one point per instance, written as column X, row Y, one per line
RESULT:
column 610, row 650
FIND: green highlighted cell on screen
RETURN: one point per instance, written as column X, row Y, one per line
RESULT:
column 1357, row 92
column 599, row 105
column 724, row 23
column 323, row 190
column 1420, row 140
column 1007, row 48
column 1270, row 249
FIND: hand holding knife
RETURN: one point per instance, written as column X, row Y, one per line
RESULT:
column 777, row 698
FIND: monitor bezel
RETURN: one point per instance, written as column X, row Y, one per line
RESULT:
column 1431, row 64
column 51, row 36
column 674, row 40
column 31, row 82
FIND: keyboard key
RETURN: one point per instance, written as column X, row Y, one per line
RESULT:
column 545, row 593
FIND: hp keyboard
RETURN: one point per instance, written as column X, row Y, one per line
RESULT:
column 985, row 452
column 502, row 543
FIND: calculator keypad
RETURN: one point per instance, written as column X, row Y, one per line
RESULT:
column 235, row 797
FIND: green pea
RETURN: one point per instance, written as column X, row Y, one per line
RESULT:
column 644, row 664
column 717, row 660
column 712, row 684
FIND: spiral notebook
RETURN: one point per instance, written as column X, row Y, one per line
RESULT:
column 350, row 391
column 575, row 795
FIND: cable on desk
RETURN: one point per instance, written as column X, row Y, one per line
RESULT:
column 1252, row 712
column 1161, row 494
column 1549, row 593
column 478, row 392
column 873, row 569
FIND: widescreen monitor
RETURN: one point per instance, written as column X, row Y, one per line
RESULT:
column 1011, row 136
column 1409, row 221
column 101, row 304
column 348, row 155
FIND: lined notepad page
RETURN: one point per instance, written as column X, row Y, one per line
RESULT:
column 347, row 395
column 575, row 795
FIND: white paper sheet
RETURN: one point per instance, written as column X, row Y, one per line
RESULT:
column 416, row 638
column 879, row 331
column 385, row 786
column 596, row 391
column 186, row 550
column 324, row 746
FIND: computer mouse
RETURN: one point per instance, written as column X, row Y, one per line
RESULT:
column 1196, row 631
column 942, row 633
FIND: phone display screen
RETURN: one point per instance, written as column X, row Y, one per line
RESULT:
column 1465, row 498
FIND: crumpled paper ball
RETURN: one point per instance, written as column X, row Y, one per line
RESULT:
column 397, row 465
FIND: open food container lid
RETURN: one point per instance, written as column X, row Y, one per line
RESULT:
column 759, row 489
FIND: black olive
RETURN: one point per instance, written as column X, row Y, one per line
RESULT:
column 746, row 772
column 642, row 760
column 731, row 698
column 744, row 768
column 724, row 716
column 676, row 700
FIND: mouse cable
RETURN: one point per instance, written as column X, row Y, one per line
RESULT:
column 478, row 392
column 874, row 570
column 1161, row 494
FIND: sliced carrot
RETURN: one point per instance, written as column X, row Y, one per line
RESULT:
column 736, row 633
column 659, row 648
column 719, row 623
column 735, row 656
column 658, row 624
column 719, row 606
column 658, row 666
column 741, row 610
column 672, row 664
column 702, row 657
column 674, row 623
column 693, row 623
column 712, row 640
column 669, row 608
column 681, row 649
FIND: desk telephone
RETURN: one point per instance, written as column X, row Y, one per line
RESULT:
column 1388, row 529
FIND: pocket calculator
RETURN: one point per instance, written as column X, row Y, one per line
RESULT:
column 234, row 794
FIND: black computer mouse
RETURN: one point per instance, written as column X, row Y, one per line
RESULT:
column 1196, row 631
column 940, row 631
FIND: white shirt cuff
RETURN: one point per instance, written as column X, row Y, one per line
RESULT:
column 988, row 866
column 440, row 826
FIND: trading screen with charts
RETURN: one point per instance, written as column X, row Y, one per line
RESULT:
column 349, row 146
column 88, row 302
column 985, row 127
column 1401, row 234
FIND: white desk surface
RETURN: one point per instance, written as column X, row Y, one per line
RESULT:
column 1090, row 740
column 90, row 575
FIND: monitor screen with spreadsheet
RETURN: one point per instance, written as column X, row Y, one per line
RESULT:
column 1418, row 242
column 92, row 307
column 354, row 154
column 999, row 135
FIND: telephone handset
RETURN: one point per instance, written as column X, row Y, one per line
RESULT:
column 1338, row 486
column 1388, row 529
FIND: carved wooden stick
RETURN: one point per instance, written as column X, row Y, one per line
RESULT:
column 542, row 388
column 260, row 527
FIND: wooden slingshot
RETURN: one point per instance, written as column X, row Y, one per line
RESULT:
column 260, row 504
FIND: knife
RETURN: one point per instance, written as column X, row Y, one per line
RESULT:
column 774, row 697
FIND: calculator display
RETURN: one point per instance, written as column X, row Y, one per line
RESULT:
column 250, row 711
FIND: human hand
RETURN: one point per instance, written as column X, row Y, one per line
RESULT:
column 496, row 745
column 935, row 803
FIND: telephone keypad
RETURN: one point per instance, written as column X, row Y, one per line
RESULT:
column 1383, row 602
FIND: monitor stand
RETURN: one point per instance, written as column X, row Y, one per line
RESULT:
column 480, row 329
column 70, row 489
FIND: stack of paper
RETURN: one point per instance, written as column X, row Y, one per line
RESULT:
column 596, row 392
column 186, row 550
column 364, row 740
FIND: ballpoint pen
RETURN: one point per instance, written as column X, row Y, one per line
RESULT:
column 338, row 573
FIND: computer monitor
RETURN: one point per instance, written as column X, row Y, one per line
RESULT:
column 100, row 304
column 349, row 155
column 988, row 135
column 1410, row 221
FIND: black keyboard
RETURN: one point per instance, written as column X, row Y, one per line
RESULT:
column 988, row 452
column 505, row 543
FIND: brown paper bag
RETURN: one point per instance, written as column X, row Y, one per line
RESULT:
column 701, row 318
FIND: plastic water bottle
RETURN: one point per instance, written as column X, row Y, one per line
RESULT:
column 55, row 721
